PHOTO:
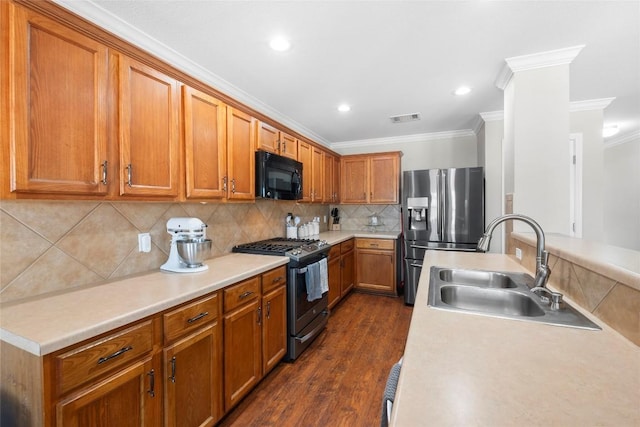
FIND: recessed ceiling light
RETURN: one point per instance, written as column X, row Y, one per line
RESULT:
column 343, row 108
column 280, row 44
column 462, row 90
column 608, row 131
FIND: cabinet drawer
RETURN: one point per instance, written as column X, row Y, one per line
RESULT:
column 334, row 252
column 190, row 317
column 347, row 246
column 274, row 278
column 86, row 362
column 242, row 293
column 384, row 244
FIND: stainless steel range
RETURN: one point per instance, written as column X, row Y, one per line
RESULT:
column 305, row 319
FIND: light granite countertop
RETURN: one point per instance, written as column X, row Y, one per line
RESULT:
column 49, row 323
column 469, row 370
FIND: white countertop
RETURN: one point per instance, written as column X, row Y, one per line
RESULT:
column 469, row 370
column 45, row 324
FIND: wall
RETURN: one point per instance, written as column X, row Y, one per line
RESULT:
column 622, row 194
column 48, row 246
column 421, row 151
column 492, row 146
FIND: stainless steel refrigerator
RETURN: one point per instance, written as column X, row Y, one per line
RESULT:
column 442, row 209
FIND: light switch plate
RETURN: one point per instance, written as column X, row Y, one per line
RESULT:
column 518, row 253
column 144, row 242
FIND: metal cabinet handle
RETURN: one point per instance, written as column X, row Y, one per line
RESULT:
column 277, row 279
column 245, row 294
column 152, row 383
column 198, row 317
column 173, row 370
column 104, row 172
column 268, row 310
column 233, row 185
column 224, row 183
column 259, row 320
column 284, row 146
column 116, row 354
column 129, row 174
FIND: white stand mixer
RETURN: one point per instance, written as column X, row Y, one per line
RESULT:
column 189, row 245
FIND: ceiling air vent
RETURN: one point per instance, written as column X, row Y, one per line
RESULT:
column 403, row 118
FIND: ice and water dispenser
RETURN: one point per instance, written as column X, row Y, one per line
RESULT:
column 418, row 213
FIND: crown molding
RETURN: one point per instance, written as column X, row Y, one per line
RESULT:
column 536, row 60
column 622, row 139
column 108, row 21
column 492, row 116
column 590, row 104
column 407, row 139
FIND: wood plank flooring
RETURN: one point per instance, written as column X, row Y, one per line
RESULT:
column 340, row 378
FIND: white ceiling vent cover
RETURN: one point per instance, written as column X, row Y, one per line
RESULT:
column 403, row 118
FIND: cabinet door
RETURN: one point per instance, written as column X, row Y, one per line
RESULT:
column 274, row 328
column 348, row 272
column 384, row 179
column 336, row 179
column 240, row 155
column 353, row 180
column 375, row 271
column 242, row 352
column 288, row 146
column 328, row 192
column 59, row 112
column 128, row 398
column 317, row 175
column 334, row 271
column 149, row 143
column 304, row 156
column 205, row 145
column 268, row 138
column 193, row 379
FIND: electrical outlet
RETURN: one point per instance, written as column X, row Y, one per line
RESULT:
column 519, row 253
column 325, row 219
column 144, row 242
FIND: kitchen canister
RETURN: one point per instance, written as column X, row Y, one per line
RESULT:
column 292, row 232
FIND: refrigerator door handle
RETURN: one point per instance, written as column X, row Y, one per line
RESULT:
column 441, row 203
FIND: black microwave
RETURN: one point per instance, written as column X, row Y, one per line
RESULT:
column 278, row 177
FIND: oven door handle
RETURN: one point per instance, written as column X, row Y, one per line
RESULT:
column 315, row 330
column 302, row 270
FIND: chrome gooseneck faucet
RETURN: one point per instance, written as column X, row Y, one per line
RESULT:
column 542, row 256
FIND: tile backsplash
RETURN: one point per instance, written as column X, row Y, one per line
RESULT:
column 50, row 246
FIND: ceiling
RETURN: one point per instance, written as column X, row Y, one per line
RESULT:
column 383, row 58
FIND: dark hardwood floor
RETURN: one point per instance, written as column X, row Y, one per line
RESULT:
column 340, row 378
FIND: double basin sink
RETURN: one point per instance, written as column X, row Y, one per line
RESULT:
column 499, row 294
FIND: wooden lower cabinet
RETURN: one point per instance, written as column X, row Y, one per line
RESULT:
column 341, row 271
column 126, row 398
column 376, row 266
column 274, row 328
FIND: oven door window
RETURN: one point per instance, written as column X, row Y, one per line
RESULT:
column 302, row 305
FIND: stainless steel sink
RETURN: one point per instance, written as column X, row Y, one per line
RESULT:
column 490, row 279
column 498, row 294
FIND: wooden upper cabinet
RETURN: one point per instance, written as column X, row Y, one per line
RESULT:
column 288, row 146
column 205, row 145
column 240, row 155
column 304, row 156
column 384, row 178
column 336, row 179
column 149, row 136
column 353, row 179
column 58, row 120
column 275, row 141
column 373, row 178
column 268, row 138
column 317, row 174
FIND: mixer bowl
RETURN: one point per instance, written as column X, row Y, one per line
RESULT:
column 194, row 251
